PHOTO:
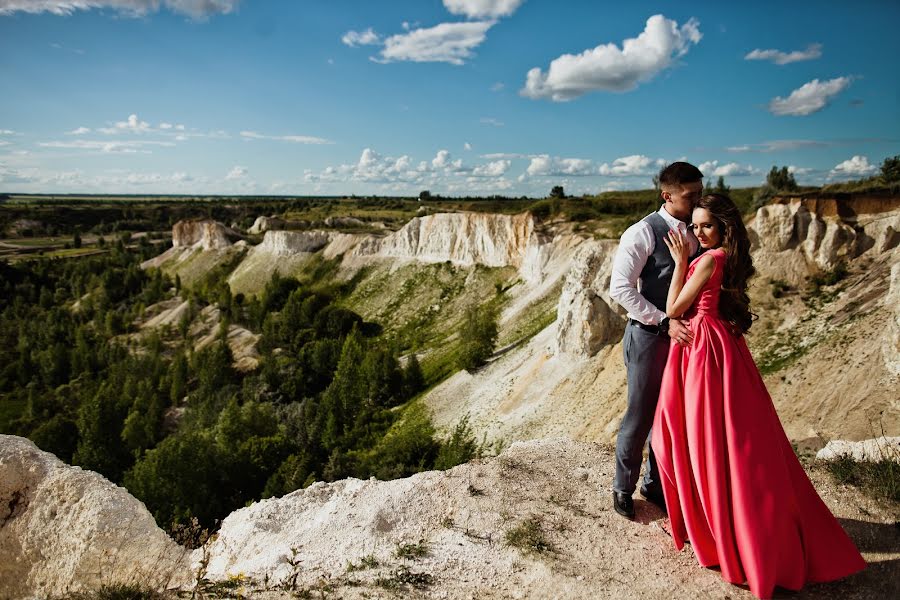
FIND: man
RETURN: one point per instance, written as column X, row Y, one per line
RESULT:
column 642, row 271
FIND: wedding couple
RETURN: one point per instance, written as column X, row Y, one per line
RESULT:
column 719, row 463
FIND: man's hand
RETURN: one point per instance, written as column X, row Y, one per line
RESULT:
column 679, row 332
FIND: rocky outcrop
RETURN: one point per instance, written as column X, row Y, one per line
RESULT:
column 206, row 235
column 287, row 243
column 890, row 342
column 874, row 450
column 464, row 239
column 63, row 529
column 790, row 242
column 587, row 318
column 263, row 224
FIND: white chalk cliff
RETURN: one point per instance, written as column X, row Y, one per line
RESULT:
column 65, row 529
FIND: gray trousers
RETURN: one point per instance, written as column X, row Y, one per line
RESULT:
column 645, row 361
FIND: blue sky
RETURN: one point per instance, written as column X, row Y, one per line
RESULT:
column 456, row 96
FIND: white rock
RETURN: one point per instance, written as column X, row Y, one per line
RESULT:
column 587, row 318
column 64, row 529
column 866, row 450
column 463, row 238
column 287, row 243
column 890, row 342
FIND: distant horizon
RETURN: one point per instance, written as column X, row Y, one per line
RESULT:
column 459, row 97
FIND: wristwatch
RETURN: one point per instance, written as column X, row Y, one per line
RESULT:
column 664, row 326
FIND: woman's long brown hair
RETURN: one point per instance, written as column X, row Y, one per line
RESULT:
column 734, row 303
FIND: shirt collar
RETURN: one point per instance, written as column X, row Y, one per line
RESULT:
column 670, row 219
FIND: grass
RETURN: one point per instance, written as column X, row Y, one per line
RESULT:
column 366, row 562
column 880, row 479
column 403, row 577
column 528, row 536
column 416, row 550
column 118, row 591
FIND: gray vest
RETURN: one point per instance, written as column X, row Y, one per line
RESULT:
column 657, row 273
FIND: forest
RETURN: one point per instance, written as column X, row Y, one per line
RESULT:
column 181, row 429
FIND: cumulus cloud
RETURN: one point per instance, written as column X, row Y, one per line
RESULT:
column 495, row 168
column 610, row 68
column 479, row 9
column 809, row 98
column 712, row 168
column 297, row 139
column 546, row 165
column 196, row 9
column 447, row 42
column 361, row 38
column 467, row 146
column 133, row 124
column 857, row 166
column 236, row 172
column 782, row 58
column 627, row 166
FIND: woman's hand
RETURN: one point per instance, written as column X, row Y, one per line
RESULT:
column 677, row 245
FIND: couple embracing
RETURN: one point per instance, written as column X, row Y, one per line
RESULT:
column 719, row 463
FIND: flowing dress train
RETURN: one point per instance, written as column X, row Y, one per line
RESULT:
column 732, row 483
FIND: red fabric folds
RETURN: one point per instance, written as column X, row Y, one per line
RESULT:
column 733, row 486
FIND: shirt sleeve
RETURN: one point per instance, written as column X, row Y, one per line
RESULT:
column 631, row 256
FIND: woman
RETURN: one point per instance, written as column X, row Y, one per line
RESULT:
column 733, row 486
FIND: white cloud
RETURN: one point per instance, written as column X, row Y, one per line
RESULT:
column 297, row 139
column 447, row 42
column 165, row 126
column 857, row 166
column 361, row 38
column 779, row 145
column 7, row 132
column 4, row 143
column 712, row 168
column 496, row 155
column 809, row 98
column 782, row 58
column 609, row 68
column 441, row 159
column 627, row 166
column 197, row 9
column 498, row 87
column 478, row 9
column 491, row 121
column 116, row 147
column 544, row 164
column 236, row 172
column 799, row 170
column 79, row 131
column 467, row 146
column 133, row 125
column 495, row 168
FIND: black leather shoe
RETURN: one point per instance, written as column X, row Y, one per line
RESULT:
column 623, row 504
column 655, row 497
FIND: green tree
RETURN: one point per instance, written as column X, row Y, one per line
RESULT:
column 781, row 180
column 76, row 240
column 721, row 188
column 413, row 379
column 890, row 169
column 461, row 447
column 557, row 192
column 478, row 334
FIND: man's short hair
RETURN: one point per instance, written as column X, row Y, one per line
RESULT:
column 678, row 173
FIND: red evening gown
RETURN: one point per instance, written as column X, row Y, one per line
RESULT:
column 733, row 486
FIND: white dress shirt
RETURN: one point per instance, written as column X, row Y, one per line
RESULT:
column 635, row 247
